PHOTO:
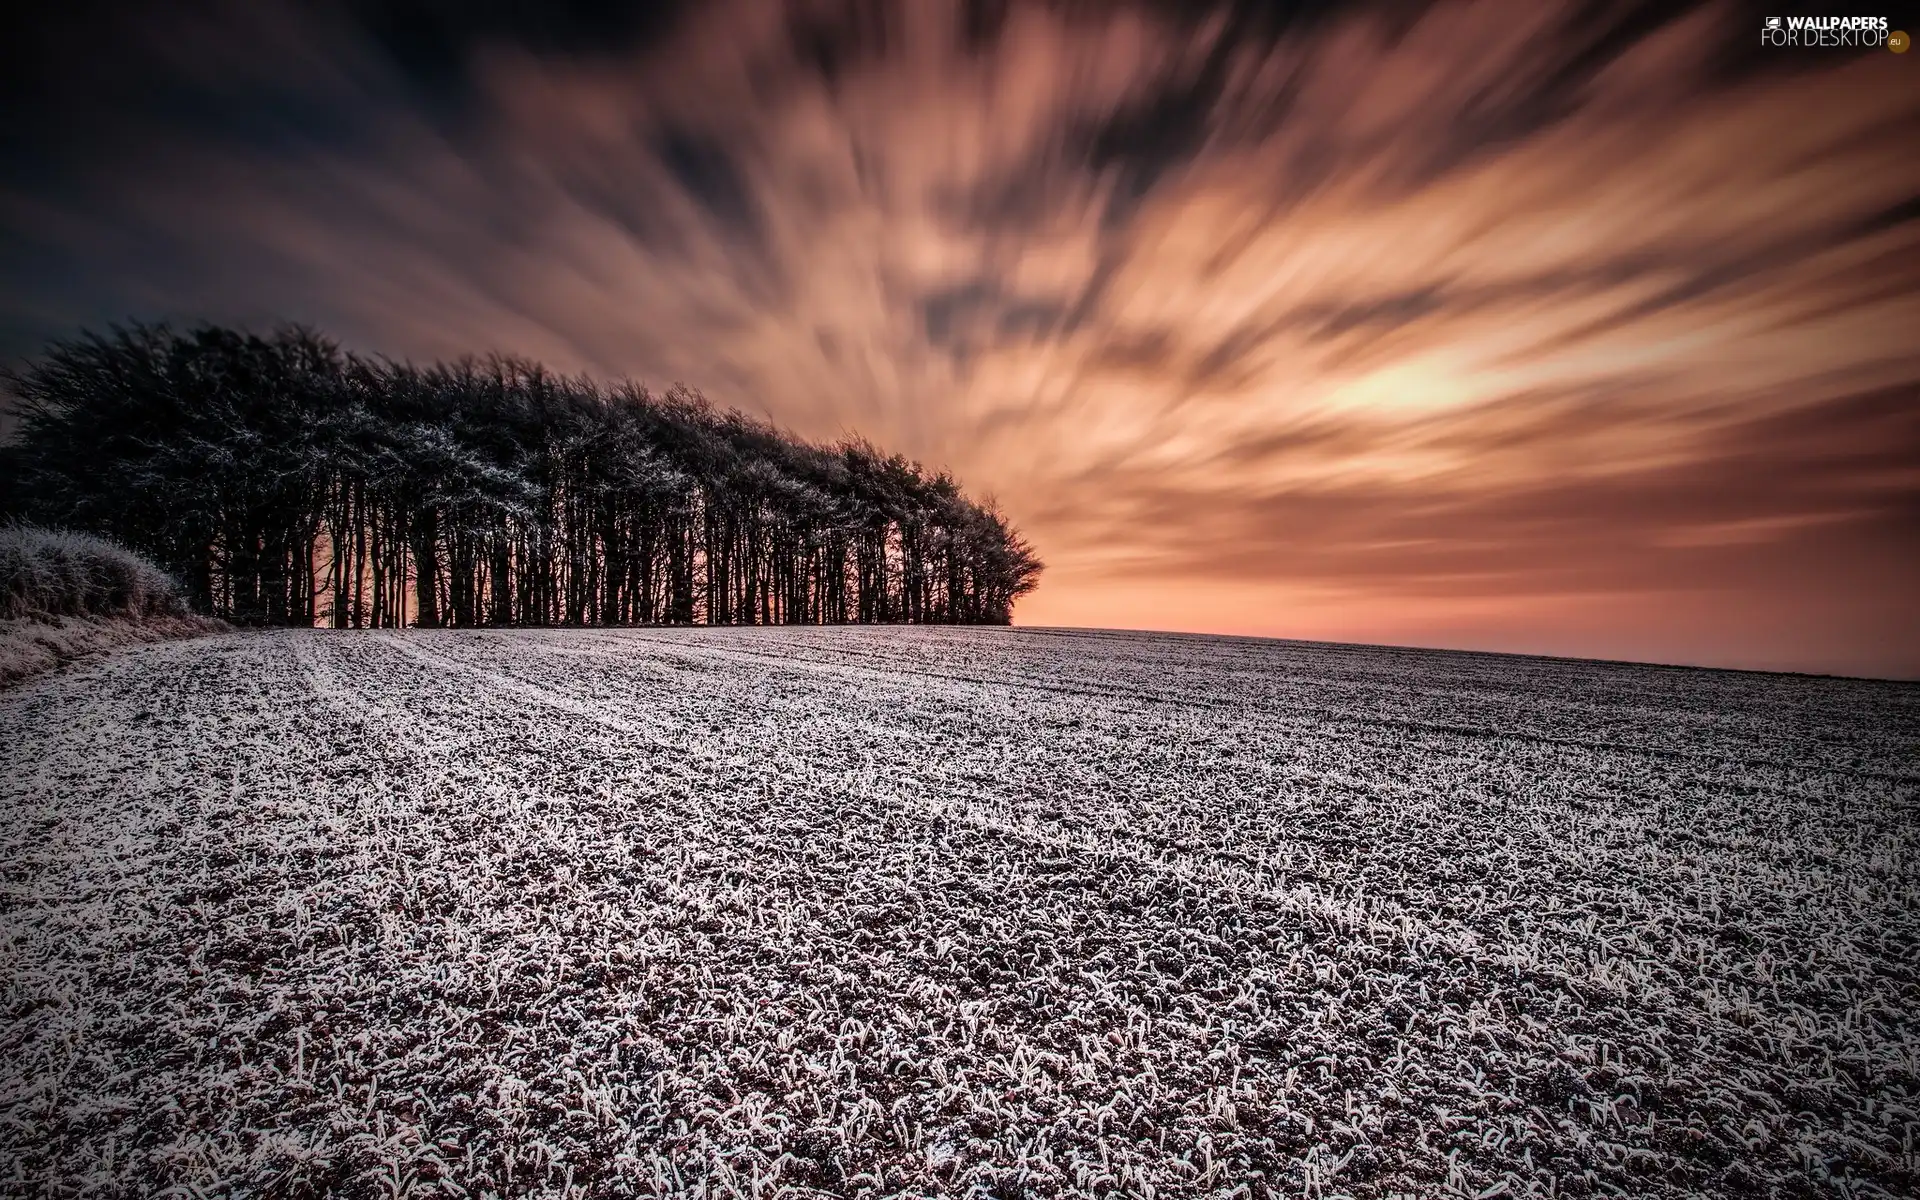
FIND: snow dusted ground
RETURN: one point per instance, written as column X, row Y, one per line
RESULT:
column 928, row 911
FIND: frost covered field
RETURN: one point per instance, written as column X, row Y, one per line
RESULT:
column 792, row 911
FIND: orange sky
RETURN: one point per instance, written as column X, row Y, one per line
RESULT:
column 1492, row 325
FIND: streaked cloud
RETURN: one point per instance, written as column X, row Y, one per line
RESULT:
column 1502, row 324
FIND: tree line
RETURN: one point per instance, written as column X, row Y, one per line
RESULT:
column 286, row 482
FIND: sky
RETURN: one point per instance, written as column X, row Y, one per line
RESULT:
column 1584, row 329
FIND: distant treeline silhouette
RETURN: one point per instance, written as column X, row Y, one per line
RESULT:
column 285, row 482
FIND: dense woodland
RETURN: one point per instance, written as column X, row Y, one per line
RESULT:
column 285, row 482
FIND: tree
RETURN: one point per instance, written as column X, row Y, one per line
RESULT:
column 286, row 482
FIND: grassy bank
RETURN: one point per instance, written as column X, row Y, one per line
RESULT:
column 64, row 595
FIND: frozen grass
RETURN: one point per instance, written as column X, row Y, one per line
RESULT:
column 33, row 645
column 56, row 573
column 66, row 595
column 949, row 912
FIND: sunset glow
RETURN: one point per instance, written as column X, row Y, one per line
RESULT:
column 1498, row 325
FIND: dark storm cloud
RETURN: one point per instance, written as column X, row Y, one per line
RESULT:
column 1540, row 326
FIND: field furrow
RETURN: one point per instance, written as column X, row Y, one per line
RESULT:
column 969, row 912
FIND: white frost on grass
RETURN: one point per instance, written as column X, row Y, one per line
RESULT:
column 66, row 595
column 932, row 911
column 34, row 645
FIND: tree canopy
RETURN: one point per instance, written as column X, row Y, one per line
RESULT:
column 286, row 482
